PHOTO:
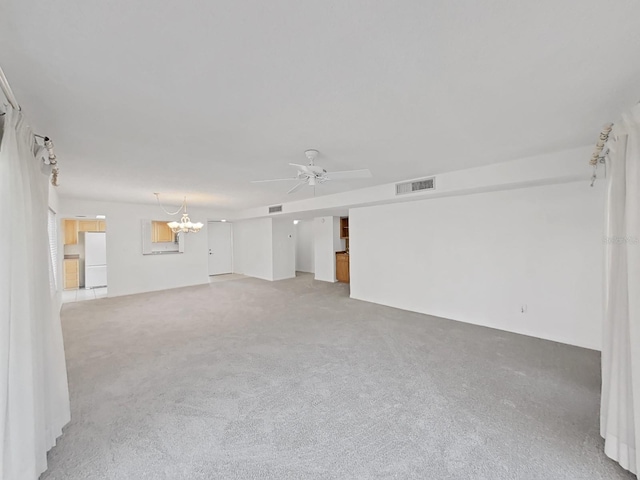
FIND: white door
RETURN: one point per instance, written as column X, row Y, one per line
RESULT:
column 220, row 248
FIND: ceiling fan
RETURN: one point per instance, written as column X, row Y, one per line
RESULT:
column 313, row 175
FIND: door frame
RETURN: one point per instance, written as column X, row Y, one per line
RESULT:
column 209, row 249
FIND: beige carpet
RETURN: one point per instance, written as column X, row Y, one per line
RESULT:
column 250, row 379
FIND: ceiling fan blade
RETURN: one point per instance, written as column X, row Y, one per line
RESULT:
column 274, row 180
column 349, row 174
column 297, row 187
column 302, row 168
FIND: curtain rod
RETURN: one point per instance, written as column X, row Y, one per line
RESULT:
column 602, row 140
column 48, row 144
column 598, row 156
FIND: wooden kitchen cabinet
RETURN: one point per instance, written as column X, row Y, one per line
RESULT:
column 344, row 227
column 88, row 226
column 70, row 232
column 344, row 232
column 72, row 227
column 71, row 273
column 342, row 267
column 160, row 232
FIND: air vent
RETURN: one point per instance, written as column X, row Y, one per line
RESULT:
column 416, row 186
column 275, row 209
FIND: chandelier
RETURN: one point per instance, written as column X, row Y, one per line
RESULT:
column 185, row 225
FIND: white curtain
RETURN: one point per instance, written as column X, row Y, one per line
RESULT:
column 34, row 398
column 620, row 408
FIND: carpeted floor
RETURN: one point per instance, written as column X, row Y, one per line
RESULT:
column 293, row 380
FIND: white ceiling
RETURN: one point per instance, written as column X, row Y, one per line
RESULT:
column 198, row 97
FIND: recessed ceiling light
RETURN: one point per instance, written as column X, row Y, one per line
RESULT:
column 101, row 217
column 295, row 222
column 223, row 220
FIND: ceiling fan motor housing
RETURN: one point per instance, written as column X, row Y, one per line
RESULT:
column 311, row 155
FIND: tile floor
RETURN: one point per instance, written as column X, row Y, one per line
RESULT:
column 82, row 294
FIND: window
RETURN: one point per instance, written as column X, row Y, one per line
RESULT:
column 52, row 227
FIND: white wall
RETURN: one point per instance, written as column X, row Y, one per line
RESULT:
column 128, row 271
column 305, row 252
column 253, row 248
column 284, row 249
column 326, row 232
column 479, row 258
column 264, row 248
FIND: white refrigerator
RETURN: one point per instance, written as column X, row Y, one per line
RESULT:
column 95, row 259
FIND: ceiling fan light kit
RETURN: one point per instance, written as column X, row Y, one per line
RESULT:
column 313, row 175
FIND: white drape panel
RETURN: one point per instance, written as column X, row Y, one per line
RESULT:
column 34, row 398
column 620, row 408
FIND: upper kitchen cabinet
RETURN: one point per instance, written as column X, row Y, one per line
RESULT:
column 72, row 227
column 91, row 226
column 70, row 232
column 344, row 227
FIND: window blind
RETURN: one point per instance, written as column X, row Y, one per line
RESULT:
column 52, row 227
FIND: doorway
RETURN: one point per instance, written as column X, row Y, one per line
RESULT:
column 220, row 248
column 84, row 264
